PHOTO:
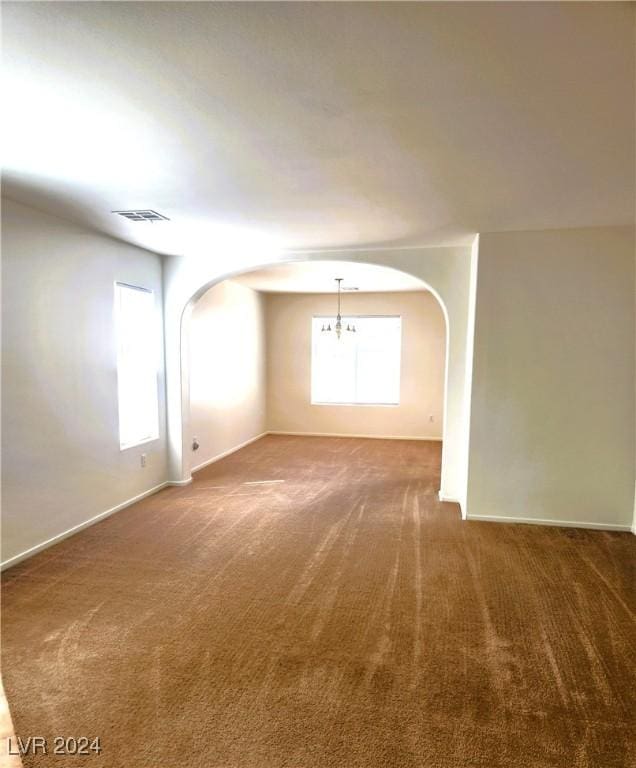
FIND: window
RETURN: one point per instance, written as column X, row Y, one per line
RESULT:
column 361, row 368
column 137, row 357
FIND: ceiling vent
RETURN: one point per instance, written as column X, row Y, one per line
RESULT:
column 145, row 215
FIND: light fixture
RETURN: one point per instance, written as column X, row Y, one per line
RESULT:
column 338, row 326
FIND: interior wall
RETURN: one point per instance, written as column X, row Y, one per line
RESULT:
column 61, row 462
column 552, row 416
column 227, row 369
column 289, row 407
column 468, row 378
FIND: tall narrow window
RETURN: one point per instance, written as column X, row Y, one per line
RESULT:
column 137, row 355
column 361, row 368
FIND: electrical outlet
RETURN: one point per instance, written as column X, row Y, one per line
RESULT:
column 431, row 418
column 143, row 459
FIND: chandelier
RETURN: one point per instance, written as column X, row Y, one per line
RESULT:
column 338, row 326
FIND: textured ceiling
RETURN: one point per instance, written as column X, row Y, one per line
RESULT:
column 320, row 125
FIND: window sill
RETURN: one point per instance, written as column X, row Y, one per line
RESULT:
column 361, row 405
column 136, row 445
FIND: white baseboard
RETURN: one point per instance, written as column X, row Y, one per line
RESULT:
column 77, row 528
column 338, row 434
column 102, row 515
column 557, row 523
column 220, row 456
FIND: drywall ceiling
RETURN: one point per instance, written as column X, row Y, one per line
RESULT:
column 319, row 277
column 320, row 125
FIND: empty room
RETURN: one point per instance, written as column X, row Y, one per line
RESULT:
column 318, row 385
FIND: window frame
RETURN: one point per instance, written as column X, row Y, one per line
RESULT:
column 156, row 434
column 345, row 318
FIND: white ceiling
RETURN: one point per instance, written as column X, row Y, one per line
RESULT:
column 320, row 125
column 319, row 277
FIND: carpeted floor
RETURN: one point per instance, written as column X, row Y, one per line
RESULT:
column 335, row 616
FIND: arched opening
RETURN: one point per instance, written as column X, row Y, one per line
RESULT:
column 377, row 295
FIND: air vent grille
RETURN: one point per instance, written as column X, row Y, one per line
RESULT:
column 144, row 215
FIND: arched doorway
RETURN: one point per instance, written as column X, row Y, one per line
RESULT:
column 445, row 272
column 258, row 361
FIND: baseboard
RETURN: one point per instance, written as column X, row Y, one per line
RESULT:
column 102, row 515
column 220, row 456
column 339, row 434
column 557, row 523
column 77, row 528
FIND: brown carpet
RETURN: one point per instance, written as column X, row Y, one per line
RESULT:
column 342, row 617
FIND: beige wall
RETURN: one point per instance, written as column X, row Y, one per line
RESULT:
column 289, row 405
column 227, row 369
column 61, row 462
column 552, row 413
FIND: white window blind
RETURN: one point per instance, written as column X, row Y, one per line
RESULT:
column 361, row 368
column 137, row 364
